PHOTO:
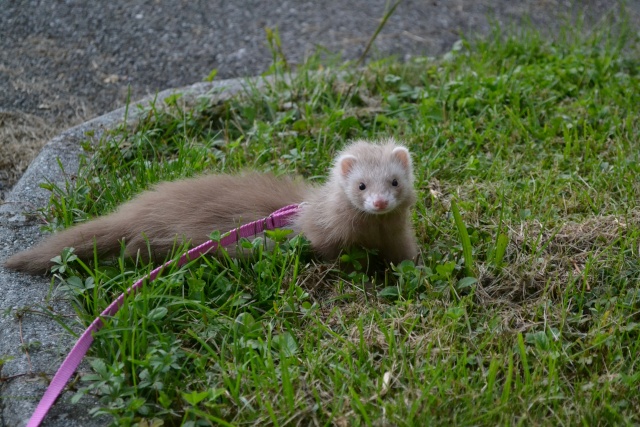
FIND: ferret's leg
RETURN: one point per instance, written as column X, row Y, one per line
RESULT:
column 401, row 246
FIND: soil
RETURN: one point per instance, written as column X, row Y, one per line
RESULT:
column 64, row 62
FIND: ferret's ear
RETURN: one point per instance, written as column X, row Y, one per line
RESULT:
column 346, row 163
column 403, row 155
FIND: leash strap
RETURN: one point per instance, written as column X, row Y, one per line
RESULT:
column 277, row 219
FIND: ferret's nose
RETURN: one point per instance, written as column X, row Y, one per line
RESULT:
column 380, row 204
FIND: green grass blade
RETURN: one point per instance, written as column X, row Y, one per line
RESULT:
column 467, row 251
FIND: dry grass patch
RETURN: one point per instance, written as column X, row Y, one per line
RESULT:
column 22, row 136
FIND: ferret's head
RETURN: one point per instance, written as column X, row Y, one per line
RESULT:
column 376, row 178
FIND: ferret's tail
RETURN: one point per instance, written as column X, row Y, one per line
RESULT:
column 104, row 234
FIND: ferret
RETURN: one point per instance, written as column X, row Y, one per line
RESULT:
column 365, row 203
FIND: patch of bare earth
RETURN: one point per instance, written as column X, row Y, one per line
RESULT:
column 21, row 138
column 545, row 259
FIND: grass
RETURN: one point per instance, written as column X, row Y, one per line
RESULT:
column 526, row 309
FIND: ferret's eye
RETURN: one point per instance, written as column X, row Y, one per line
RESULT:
column 394, row 182
column 362, row 186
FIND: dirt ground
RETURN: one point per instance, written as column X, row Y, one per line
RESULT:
column 62, row 63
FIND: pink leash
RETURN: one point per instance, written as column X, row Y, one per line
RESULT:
column 277, row 219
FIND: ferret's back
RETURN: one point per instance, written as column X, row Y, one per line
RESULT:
column 228, row 195
column 214, row 202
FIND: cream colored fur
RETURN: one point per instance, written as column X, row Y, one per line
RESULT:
column 172, row 212
column 334, row 216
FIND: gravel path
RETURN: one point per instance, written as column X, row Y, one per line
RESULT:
column 64, row 62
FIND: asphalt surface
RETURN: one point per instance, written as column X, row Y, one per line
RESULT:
column 65, row 62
